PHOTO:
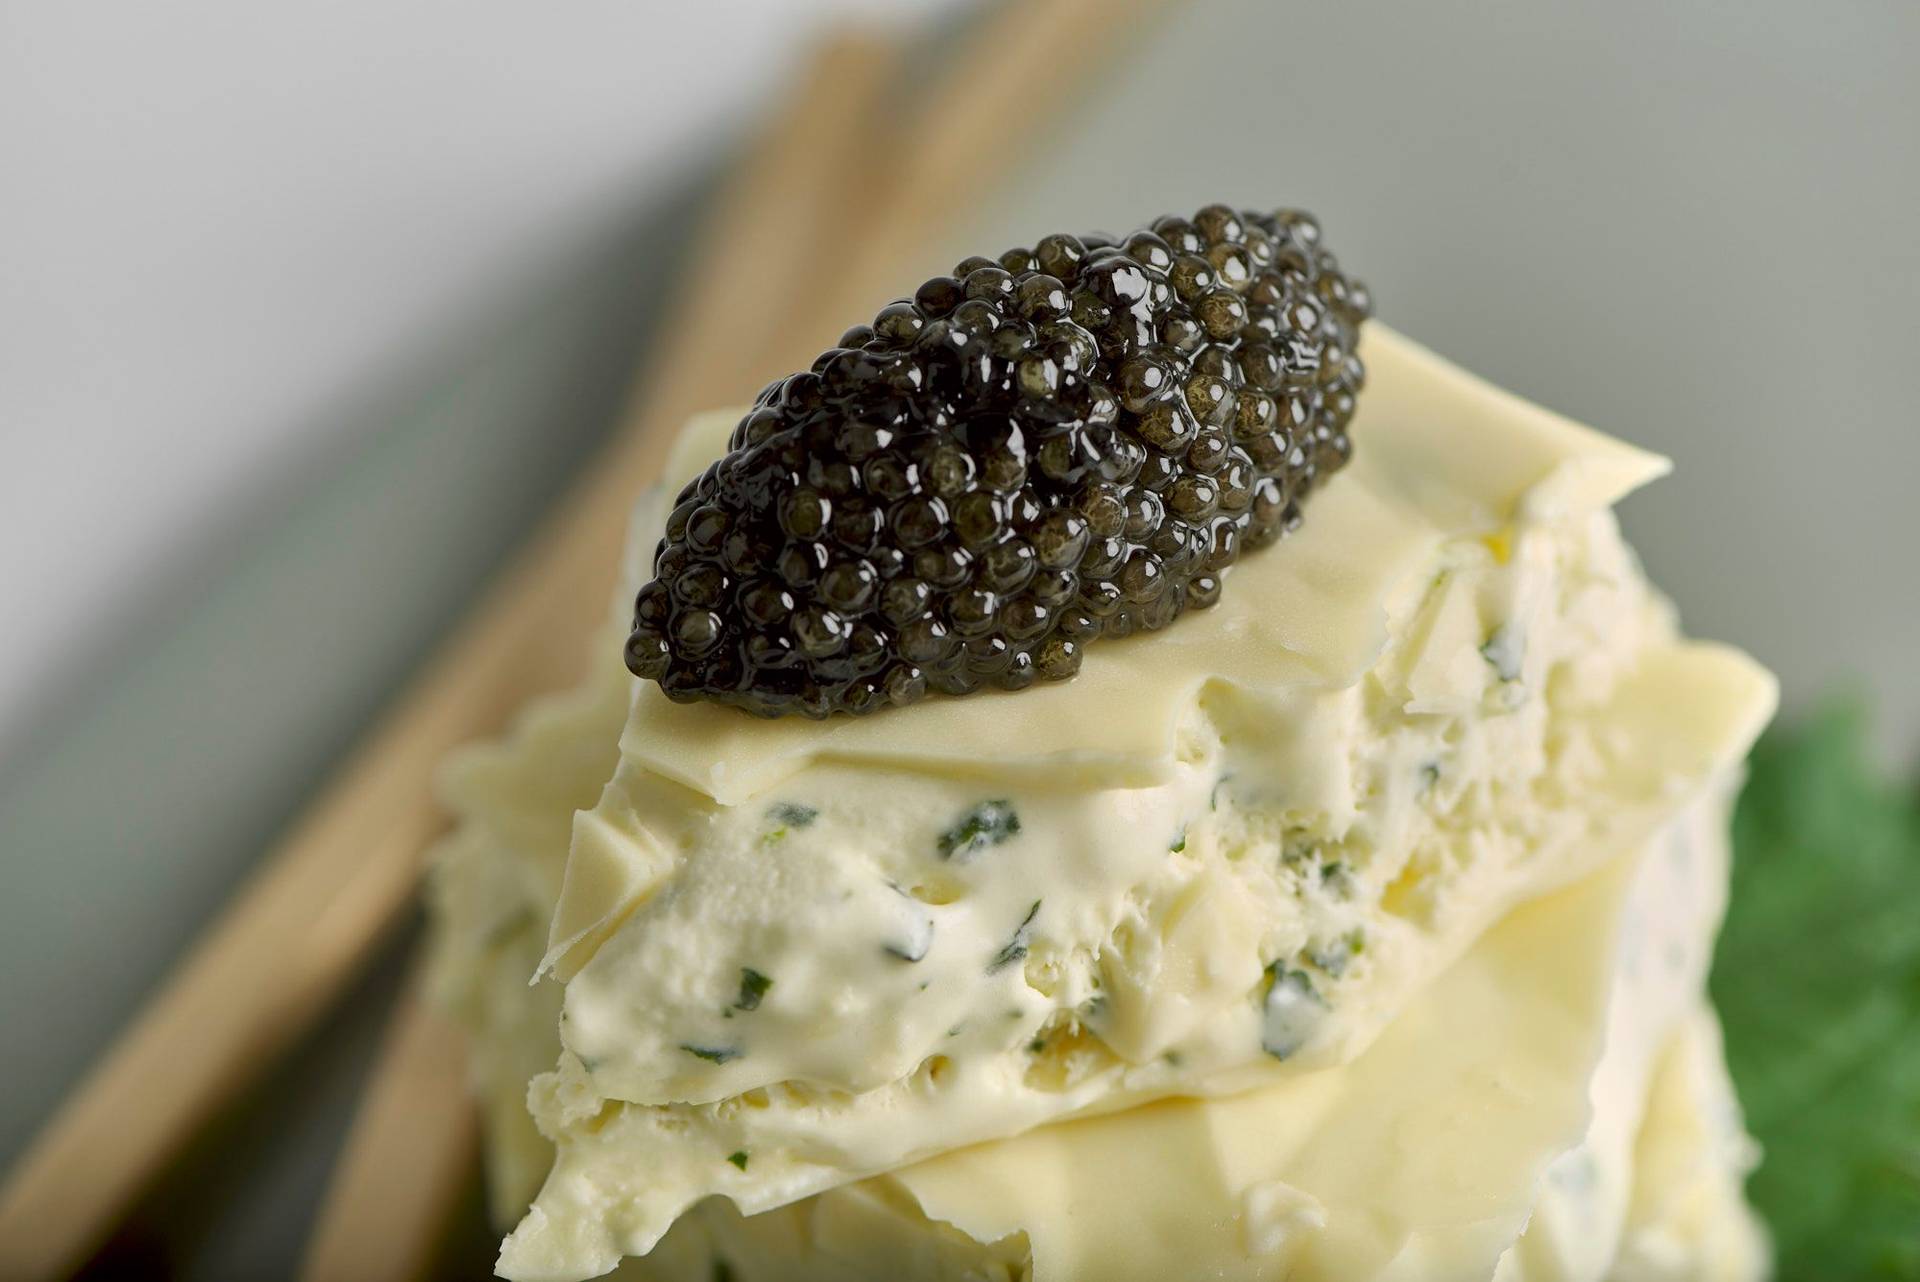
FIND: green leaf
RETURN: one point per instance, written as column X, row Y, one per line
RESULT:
column 1504, row 650
column 753, row 986
column 792, row 814
column 1016, row 948
column 1818, row 982
column 987, row 824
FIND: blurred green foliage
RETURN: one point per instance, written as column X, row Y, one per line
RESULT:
column 1818, row 981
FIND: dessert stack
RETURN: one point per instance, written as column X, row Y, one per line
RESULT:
column 1126, row 769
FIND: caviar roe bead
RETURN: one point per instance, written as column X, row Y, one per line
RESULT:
column 1058, row 445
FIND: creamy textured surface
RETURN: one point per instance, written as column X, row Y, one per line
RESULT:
column 1455, row 1134
column 1421, row 1160
column 799, row 954
column 1688, row 1218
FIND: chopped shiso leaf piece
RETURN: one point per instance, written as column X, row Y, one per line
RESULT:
column 1818, row 984
column 1291, row 1012
column 753, row 986
column 712, row 1054
column 792, row 814
column 987, row 824
column 1334, row 956
column 1016, row 949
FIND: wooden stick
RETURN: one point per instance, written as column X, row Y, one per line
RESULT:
column 1019, row 71
column 304, row 922
column 407, row 1159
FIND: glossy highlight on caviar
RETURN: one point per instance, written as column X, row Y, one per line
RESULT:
column 1067, row 443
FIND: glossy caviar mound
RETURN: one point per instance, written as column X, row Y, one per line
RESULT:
column 1070, row 442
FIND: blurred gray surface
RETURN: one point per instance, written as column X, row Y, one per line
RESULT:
column 234, row 685
column 1690, row 225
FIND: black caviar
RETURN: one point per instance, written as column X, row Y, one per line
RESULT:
column 1068, row 442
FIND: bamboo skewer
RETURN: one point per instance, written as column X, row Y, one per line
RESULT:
column 305, row 920
column 406, row 1160
column 1018, row 70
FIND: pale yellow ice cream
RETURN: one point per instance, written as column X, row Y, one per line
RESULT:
column 1226, row 857
column 1459, row 1131
column 1423, row 1159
